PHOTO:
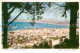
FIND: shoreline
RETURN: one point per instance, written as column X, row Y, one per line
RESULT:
column 48, row 21
column 37, row 29
column 45, row 22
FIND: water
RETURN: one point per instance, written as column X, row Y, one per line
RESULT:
column 27, row 25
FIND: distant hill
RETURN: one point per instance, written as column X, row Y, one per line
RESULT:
column 50, row 21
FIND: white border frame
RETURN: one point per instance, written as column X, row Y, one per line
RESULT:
column 36, row 50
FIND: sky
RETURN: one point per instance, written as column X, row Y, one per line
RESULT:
column 51, row 12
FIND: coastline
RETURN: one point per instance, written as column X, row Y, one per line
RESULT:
column 48, row 21
column 29, row 37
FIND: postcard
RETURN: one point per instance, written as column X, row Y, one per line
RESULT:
column 39, row 26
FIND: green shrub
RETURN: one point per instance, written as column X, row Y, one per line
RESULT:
column 12, row 32
column 57, row 46
column 46, row 45
column 54, row 38
column 68, row 44
column 35, row 46
column 42, row 45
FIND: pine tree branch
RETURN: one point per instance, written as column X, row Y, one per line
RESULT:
column 11, row 10
column 58, row 4
column 17, row 16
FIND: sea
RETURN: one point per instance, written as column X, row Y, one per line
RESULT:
column 31, row 25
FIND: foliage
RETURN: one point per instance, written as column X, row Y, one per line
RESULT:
column 32, row 23
column 35, row 38
column 16, row 4
column 77, row 38
column 35, row 46
column 42, row 45
column 12, row 32
column 69, row 43
column 70, row 5
column 54, row 38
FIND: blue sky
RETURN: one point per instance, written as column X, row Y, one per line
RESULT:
column 48, row 13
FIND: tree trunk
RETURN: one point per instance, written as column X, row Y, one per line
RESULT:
column 5, row 35
column 73, row 22
column 5, row 28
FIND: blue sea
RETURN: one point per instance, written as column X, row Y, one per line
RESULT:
column 27, row 25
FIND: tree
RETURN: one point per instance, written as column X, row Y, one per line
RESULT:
column 5, row 10
column 6, row 17
column 21, row 5
column 73, row 7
